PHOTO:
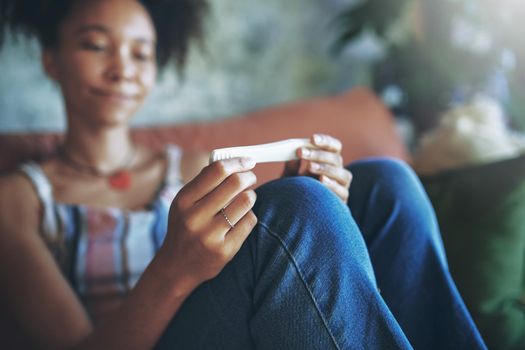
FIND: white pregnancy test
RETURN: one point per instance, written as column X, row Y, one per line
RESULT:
column 280, row 151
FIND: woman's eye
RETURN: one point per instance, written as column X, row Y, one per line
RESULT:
column 93, row 46
column 143, row 56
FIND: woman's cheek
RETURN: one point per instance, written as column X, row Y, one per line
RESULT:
column 148, row 79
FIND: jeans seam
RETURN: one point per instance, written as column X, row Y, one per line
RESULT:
column 303, row 280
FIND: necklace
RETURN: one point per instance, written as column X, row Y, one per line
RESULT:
column 119, row 178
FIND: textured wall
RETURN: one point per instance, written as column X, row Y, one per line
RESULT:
column 258, row 53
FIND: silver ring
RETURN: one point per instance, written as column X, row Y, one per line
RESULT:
column 227, row 219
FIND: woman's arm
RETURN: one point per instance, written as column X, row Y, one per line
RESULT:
column 32, row 286
column 198, row 245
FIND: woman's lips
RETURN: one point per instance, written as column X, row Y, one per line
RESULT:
column 115, row 96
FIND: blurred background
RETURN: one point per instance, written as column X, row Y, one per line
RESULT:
column 258, row 53
column 436, row 54
column 420, row 56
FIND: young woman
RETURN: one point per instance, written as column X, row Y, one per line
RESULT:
column 110, row 245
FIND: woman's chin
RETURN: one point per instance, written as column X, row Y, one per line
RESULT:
column 106, row 113
column 109, row 120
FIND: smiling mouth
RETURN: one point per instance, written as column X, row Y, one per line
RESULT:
column 115, row 95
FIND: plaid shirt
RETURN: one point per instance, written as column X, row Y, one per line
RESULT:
column 104, row 251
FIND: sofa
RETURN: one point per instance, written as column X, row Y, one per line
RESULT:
column 481, row 212
column 357, row 117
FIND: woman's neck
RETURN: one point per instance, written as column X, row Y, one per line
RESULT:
column 104, row 149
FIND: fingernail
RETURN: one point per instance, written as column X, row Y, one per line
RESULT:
column 315, row 166
column 327, row 180
column 318, row 138
column 247, row 163
column 306, row 152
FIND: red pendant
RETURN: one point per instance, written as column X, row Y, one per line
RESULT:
column 121, row 180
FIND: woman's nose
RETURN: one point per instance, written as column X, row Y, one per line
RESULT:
column 122, row 67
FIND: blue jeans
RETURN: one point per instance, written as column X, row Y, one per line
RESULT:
column 318, row 274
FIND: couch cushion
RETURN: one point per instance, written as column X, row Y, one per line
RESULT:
column 481, row 213
column 357, row 118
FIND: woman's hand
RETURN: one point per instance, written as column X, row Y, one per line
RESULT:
column 200, row 241
column 324, row 162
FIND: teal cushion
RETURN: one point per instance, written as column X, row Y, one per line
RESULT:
column 481, row 212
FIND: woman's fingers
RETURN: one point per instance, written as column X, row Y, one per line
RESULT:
column 200, row 216
column 241, row 216
column 210, row 177
column 242, row 220
column 237, row 235
column 201, row 236
column 336, row 187
column 336, row 178
column 321, row 156
column 235, row 211
column 223, row 194
column 327, row 142
column 336, row 173
column 325, row 161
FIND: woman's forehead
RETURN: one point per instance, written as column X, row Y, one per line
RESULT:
column 123, row 17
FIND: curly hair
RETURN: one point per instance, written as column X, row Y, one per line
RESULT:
column 177, row 23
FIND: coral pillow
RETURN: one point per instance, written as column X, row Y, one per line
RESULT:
column 357, row 118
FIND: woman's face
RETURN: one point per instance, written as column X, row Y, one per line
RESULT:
column 104, row 61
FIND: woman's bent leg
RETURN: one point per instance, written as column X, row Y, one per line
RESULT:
column 402, row 235
column 302, row 280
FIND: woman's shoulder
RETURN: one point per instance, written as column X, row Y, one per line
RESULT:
column 15, row 186
column 19, row 203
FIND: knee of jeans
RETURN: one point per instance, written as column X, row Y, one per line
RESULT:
column 297, row 197
column 394, row 180
column 303, row 212
column 307, row 191
column 397, row 192
column 383, row 170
